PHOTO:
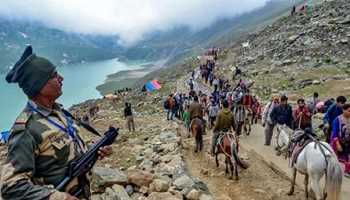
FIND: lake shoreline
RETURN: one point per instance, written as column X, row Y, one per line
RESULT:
column 79, row 85
column 127, row 78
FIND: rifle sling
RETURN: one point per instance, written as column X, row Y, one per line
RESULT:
column 85, row 125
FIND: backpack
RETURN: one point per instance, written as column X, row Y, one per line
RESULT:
column 166, row 104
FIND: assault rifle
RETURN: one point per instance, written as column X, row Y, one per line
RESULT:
column 83, row 164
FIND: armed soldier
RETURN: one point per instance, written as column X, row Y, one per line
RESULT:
column 44, row 138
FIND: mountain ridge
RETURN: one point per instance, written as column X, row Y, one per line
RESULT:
column 65, row 48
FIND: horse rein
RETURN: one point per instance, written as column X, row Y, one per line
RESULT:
column 317, row 142
column 230, row 139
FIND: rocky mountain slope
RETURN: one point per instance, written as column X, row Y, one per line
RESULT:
column 298, row 54
column 295, row 55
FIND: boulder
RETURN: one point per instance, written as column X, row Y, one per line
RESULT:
column 277, row 63
column 183, row 182
column 293, row 38
column 287, row 62
column 305, row 82
column 104, row 177
column 129, row 189
column 316, row 82
column 346, row 20
column 206, row 197
column 193, row 195
column 344, row 41
column 168, row 137
column 169, row 147
column 146, row 165
column 143, row 190
column 162, row 196
column 117, row 192
column 140, row 178
column 159, row 185
column 120, row 192
column 200, row 185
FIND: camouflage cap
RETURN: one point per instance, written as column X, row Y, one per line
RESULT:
column 31, row 72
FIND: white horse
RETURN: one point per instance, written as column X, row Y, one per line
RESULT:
column 314, row 161
column 282, row 138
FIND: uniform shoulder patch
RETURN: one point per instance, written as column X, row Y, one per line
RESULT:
column 21, row 121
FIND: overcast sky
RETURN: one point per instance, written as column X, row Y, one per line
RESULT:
column 129, row 19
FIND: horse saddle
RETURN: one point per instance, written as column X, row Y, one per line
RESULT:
column 296, row 148
column 220, row 138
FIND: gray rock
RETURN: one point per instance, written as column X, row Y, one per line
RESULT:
column 139, row 158
column 304, row 83
column 346, row 20
column 146, row 165
column 144, row 190
column 120, row 192
column 200, row 185
column 277, row 63
column 206, row 197
column 293, row 38
column 287, row 62
column 183, row 182
column 344, row 41
column 159, row 185
column 307, row 58
column 175, row 192
column 129, row 189
column 140, row 178
column 104, row 177
column 111, row 194
column 167, row 137
column 138, row 196
column 163, row 196
column 260, row 191
column 169, row 147
column 95, row 197
column 316, row 82
column 193, row 195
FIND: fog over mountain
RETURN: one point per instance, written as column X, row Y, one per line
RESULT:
column 130, row 20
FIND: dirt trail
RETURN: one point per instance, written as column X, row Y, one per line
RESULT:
column 259, row 181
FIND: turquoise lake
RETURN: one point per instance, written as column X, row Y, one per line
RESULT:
column 80, row 81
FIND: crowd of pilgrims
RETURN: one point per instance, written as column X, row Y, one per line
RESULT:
column 247, row 108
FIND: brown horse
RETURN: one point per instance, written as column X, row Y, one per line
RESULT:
column 228, row 145
column 197, row 128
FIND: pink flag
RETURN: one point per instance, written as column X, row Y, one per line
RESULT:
column 156, row 84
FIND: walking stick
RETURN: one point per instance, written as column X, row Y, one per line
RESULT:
column 299, row 127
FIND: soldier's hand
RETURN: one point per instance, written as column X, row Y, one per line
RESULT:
column 104, row 151
column 339, row 147
column 70, row 197
column 326, row 126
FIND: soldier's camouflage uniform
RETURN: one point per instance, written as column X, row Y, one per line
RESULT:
column 38, row 155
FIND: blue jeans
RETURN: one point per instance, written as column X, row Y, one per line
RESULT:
column 170, row 114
